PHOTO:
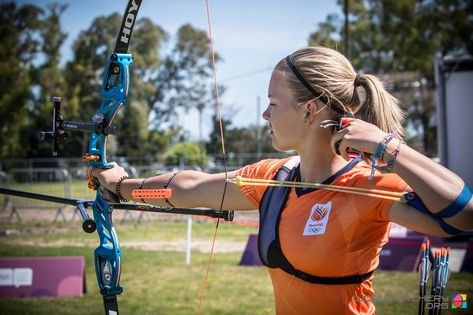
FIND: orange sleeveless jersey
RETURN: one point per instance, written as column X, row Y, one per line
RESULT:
column 329, row 234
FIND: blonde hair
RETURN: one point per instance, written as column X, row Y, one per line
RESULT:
column 332, row 76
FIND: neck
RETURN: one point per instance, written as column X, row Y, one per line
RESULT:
column 318, row 162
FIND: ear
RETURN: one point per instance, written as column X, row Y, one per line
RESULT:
column 311, row 110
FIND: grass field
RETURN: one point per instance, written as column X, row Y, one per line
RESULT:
column 156, row 279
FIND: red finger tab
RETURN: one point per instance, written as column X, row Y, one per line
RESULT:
column 151, row 193
column 352, row 153
column 345, row 121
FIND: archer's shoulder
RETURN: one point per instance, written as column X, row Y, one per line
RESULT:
column 360, row 176
column 264, row 169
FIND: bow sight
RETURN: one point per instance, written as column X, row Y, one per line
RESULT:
column 58, row 133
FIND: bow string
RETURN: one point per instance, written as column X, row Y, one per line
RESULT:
column 224, row 156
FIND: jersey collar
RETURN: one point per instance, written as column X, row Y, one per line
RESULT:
column 348, row 167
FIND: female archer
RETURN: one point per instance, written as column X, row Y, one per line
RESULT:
column 322, row 245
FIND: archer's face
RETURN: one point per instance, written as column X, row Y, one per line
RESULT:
column 285, row 118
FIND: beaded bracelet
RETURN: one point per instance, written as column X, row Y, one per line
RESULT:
column 166, row 186
column 117, row 189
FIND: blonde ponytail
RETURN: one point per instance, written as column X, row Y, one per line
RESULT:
column 379, row 108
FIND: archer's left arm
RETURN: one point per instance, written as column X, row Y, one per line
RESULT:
column 437, row 187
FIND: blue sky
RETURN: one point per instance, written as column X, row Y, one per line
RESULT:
column 250, row 35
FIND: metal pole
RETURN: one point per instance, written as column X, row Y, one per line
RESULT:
column 258, row 131
column 347, row 35
column 189, row 240
column 201, row 145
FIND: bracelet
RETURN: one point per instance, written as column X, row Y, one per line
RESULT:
column 166, row 186
column 379, row 153
column 141, row 187
column 373, row 161
column 117, row 189
column 394, row 155
column 385, row 142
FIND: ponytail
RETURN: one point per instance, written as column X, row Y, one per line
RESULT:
column 379, row 108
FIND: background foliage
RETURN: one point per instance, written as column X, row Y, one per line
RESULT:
column 397, row 39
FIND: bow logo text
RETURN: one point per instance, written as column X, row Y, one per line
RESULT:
column 129, row 21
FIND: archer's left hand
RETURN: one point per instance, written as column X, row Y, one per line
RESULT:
column 109, row 178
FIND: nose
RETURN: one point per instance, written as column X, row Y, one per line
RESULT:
column 266, row 113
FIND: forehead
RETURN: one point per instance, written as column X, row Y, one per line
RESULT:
column 279, row 86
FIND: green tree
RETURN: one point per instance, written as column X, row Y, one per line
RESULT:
column 399, row 39
column 182, row 79
column 161, row 83
column 185, row 154
column 19, row 28
column 214, row 144
column 162, row 140
column 238, row 140
column 47, row 79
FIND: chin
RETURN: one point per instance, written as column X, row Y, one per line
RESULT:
column 280, row 148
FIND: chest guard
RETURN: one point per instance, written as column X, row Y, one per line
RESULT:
column 269, row 247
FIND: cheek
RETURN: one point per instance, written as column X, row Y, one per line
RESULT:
column 287, row 120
